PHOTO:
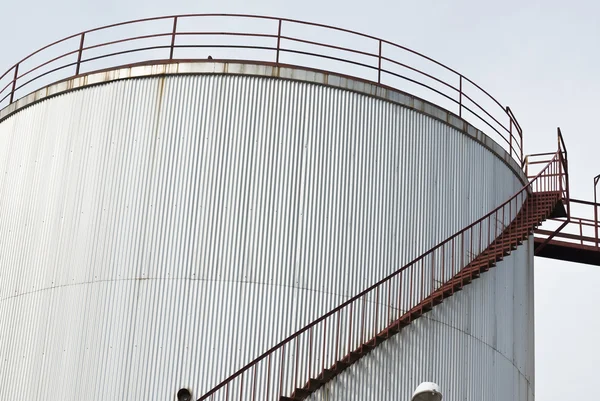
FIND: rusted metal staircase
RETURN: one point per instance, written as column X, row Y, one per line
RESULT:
column 305, row 361
column 536, row 209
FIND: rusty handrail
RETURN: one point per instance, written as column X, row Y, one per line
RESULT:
column 390, row 70
column 444, row 260
column 573, row 227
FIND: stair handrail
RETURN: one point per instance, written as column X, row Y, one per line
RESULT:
column 547, row 180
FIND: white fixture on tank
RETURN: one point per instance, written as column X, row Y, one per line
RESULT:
column 427, row 391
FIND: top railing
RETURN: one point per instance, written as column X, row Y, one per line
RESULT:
column 270, row 40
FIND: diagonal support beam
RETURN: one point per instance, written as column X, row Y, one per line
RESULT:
column 541, row 246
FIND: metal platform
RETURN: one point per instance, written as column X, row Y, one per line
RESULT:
column 570, row 234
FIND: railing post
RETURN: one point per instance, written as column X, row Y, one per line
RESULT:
column 268, row 376
column 295, row 383
column 379, row 66
column 278, row 42
column 349, row 329
column 510, row 136
column 560, row 174
column 432, row 289
column 173, row 34
column 422, row 293
column 480, row 235
column 324, row 345
column 79, row 54
column 520, row 143
column 310, row 351
column 596, row 179
column 443, row 265
column 375, row 325
column 460, row 96
column 337, row 337
column 14, row 84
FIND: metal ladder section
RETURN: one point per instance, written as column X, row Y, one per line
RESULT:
column 305, row 361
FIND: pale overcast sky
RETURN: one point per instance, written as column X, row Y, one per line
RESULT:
column 539, row 57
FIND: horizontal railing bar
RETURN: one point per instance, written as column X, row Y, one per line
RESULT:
column 589, row 245
column 329, row 46
column 484, row 91
column 420, row 72
column 8, row 85
column 554, row 175
column 216, row 46
column 5, row 97
column 420, row 84
column 541, row 154
column 124, row 40
column 574, row 222
column 584, row 202
column 568, row 235
column 328, row 57
column 216, row 33
column 7, row 71
column 126, row 52
column 486, row 112
column 584, row 222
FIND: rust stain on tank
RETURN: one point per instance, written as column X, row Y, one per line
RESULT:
column 275, row 71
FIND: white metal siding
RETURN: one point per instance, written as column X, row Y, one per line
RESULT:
column 161, row 232
column 477, row 345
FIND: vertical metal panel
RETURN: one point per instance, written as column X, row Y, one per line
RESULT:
column 160, row 233
column 477, row 345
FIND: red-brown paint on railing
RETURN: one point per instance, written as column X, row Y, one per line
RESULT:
column 486, row 116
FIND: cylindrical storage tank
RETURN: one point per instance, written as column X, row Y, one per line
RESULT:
column 160, row 232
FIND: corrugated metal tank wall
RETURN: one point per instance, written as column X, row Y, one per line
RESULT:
column 477, row 345
column 152, row 229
